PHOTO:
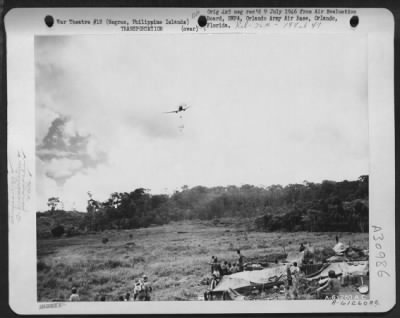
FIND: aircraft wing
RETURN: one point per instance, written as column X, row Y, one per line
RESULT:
column 172, row 111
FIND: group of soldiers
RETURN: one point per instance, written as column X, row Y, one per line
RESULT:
column 219, row 269
column 141, row 292
column 294, row 276
column 295, row 279
column 292, row 283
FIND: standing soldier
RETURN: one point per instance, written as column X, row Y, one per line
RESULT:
column 288, row 281
column 214, row 282
column 74, row 296
column 295, row 271
column 138, row 292
column 147, row 288
column 240, row 261
column 213, row 264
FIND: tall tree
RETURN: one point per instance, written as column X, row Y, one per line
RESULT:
column 53, row 203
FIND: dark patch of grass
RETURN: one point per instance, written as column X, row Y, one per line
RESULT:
column 42, row 267
column 104, row 240
column 245, row 247
column 51, row 283
column 178, row 248
column 113, row 264
column 99, row 280
column 138, row 259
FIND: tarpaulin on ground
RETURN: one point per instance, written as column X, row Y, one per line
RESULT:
column 248, row 278
column 344, row 268
column 234, row 295
column 229, row 282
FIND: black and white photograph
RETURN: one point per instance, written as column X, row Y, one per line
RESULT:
column 167, row 171
column 206, row 160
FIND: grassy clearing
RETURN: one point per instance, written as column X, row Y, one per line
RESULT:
column 173, row 256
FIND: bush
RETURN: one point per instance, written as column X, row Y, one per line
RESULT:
column 58, row 231
column 104, row 240
column 99, row 280
column 113, row 264
column 43, row 234
column 50, row 283
column 42, row 266
column 71, row 231
column 138, row 259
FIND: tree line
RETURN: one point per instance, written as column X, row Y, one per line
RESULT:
column 325, row 206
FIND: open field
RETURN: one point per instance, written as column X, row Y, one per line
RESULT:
column 173, row 256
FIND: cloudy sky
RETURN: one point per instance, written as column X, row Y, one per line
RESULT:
column 263, row 110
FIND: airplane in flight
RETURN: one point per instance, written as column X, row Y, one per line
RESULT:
column 181, row 108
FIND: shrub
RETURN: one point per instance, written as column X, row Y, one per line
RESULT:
column 138, row 259
column 51, row 283
column 164, row 272
column 57, row 231
column 246, row 247
column 99, row 280
column 104, row 240
column 43, row 234
column 113, row 264
column 71, row 231
column 42, row 266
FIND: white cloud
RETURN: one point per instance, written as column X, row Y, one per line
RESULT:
column 62, row 168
